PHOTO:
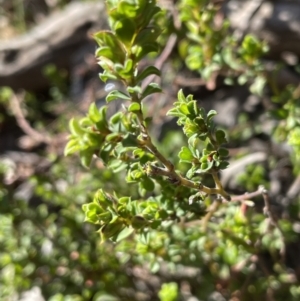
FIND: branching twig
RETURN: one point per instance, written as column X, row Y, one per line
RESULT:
column 189, row 82
column 23, row 123
column 213, row 208
column 179, row 179
column 273, row 219
column 246, row 196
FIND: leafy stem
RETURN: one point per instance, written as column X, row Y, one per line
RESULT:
column 170, row 170
column 178, row 179
column 124, row 141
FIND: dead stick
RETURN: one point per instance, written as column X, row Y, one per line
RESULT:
column 22, row 121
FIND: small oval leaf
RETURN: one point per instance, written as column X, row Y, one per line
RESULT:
column 115, row 95
column 135, row 106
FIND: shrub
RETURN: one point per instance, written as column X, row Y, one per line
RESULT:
column 170, row 231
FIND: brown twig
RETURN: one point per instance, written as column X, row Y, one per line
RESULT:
column 177, row 178
column 189, row 82
column 213, row 208
column 16, row 101
column 246, row 196
column 216, row 204
column 273, row 219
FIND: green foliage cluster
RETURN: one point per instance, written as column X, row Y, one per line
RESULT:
column 46, row 244
column 288, row 112
column 124, row 140
column 197, row 125
column 209, row 49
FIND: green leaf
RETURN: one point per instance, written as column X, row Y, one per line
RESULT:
column 72, row 147
column 130, row 140
column 105, row 152
column 161, row 214
column 85, row 122
column 133, row 107
column 223, row 165
column 102, row 125
column 136, row 89
column 150, row 70
column 113, row 137
column 201, row 124
column 175, row 112
column 117, row 165
column 206, row 166
column 127, row 70
column 229, row 59
column 149, row 11
column 86, row 157
column 147, row 35
column 112, row 48
column 117, row 94
column 138, row 222
column 107, row 65
column 150, row 89
column 220, row 137
column 125, row 30
column 92, row 207
column 110, row 230
column 107, row 75
column 75, row 128
column 211, row 114
column 105, row 217
column 141, row 50
column 147, row 184
column 144, row 238
column 136, row 174
column 93, row 140
column 128, row 9
column 190, row 128
column 91, row 217
column 185, row 155
column 116, row 118
column 181, row 96
column 123, row 234
column 106, row 52
column 183, row 108
column 93, row 113
column 193, row 109
column 223, row 152
column 210, row 147
column 193, row 140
